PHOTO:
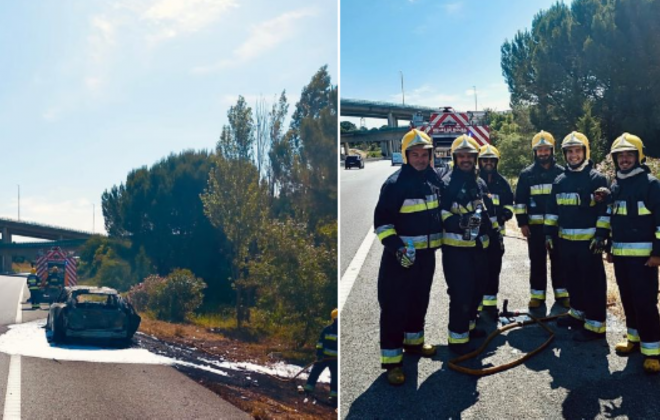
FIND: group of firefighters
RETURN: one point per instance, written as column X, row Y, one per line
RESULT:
column 570, row 215
column 53, row 285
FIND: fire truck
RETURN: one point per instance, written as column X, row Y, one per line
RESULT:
column 56, row 262
column 446, row 124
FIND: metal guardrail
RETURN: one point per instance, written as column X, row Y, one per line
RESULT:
column 362, row 102
column 45, row 244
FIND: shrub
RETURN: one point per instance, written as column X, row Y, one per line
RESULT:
column 173, row 298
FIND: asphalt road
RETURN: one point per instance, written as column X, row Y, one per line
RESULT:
column 567, row 380
column 50, row 388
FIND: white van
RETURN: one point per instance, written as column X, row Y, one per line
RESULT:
column 397, row 159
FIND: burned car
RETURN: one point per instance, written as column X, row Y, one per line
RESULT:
column 98, row 313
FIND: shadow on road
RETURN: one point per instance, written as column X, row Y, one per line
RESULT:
column 429, row 399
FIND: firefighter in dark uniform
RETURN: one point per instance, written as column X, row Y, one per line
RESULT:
column 577, row 223
column 55, row 284
column 635, row 219
column 326, row 357
column 532, row 194
column 34, row 284
column 466, row 237
column 502, row 198
column 408, row 223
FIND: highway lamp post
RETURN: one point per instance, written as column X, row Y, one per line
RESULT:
column 475, row 98
column 403, row 94
column 19, row 201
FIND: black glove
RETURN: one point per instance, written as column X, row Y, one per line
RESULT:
column 506, row 214
column 597, row 245
column 403, row 258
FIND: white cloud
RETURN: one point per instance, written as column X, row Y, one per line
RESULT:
column 93, row 83
column 263, row 37
column 453, row 7
column 169, row 18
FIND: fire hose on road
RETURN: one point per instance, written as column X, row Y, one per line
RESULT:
column 454, row 363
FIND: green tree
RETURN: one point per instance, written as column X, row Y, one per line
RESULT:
column 588, row 125
column 160, row 210
column 347, row 126
column 604, row 52
column 235, row 199
column 297, row 289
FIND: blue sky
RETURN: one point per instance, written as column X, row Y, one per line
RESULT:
column 442, row 47
column 91, row 89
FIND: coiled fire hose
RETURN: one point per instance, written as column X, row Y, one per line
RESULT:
column 454, row 363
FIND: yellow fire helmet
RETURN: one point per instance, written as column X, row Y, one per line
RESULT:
column 465, row 143
column 334, row 314
column 577, row 139
column 489, row 151
column 33, row 270
column 629, row 142
column 413, row 138
column 543, row 138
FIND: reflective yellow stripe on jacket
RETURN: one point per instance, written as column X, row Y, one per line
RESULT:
column 632, row 249
column 385, row 231
column 413, row 205
column 577, row 234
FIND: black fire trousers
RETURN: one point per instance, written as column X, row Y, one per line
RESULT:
column 465, row 272
column 403, row 295
column 586, row 281
column 638, row 285
column 495, row 253
column 317, row 369
column 538, row 274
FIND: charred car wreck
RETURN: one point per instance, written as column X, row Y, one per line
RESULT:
column 98, row 313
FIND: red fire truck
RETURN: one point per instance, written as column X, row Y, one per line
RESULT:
column 446, row 124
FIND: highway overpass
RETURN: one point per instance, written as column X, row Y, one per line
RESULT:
column 66, row 238
column 389, row 139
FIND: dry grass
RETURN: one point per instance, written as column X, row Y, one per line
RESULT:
column 268, row 401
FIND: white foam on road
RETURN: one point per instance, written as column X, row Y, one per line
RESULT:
column 29, row 339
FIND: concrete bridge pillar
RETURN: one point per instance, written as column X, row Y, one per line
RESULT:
column 386, row 148
column 346, row 148
column 5, row 259
column 391, row 121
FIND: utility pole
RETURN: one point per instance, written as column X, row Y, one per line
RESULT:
column 475, row 98
column 19, row 201
column 403, row 94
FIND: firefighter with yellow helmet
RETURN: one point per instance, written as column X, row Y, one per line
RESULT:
column 467, row 228
column 502, row 197
column 326, row 357
column 408, row 223
column 34, row 285
column 532, row 195
column 577, row 223
column 635, row 219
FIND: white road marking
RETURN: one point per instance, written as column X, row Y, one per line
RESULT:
column 13, row 396
column 348, row 279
